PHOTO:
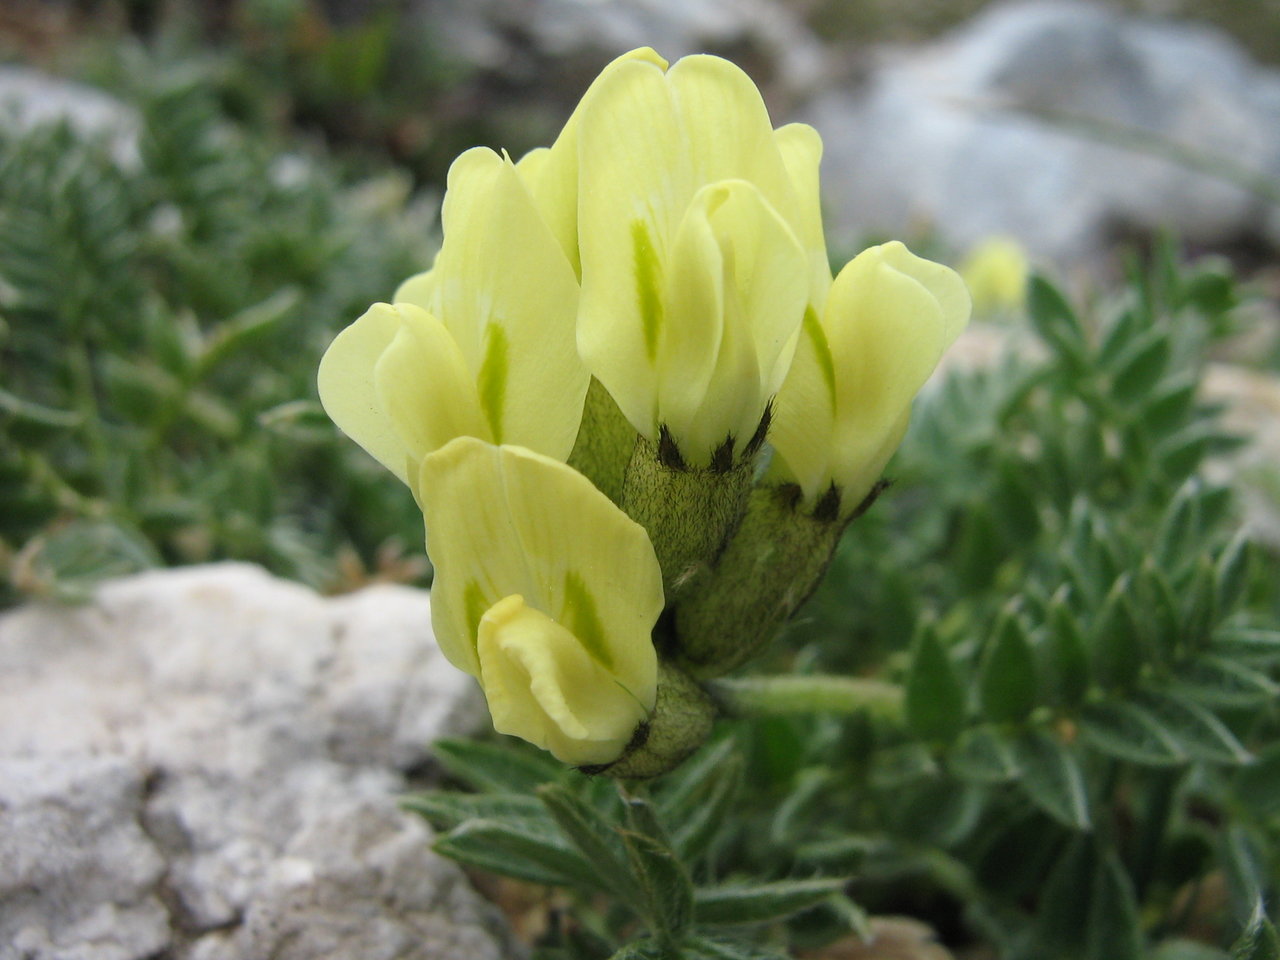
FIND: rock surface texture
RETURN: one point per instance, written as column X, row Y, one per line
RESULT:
column 555, row 47
column 203, row 763
column 1061, row 123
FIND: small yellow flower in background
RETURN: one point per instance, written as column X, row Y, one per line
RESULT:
column 845, row 405
column 482, row 345
column 996, row 273
column 546, row 592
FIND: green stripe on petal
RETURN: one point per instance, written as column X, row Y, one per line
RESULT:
column 822, row 351
column 504, row 521
column 648, row 272
column 582, row 618
column 492, row 381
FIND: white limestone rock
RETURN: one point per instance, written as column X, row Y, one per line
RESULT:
column 1010, row 125
column 204, row 761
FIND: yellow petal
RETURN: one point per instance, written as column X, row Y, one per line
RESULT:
column 635, row 184
column 543, row 685
column 847, row 399
column 504, row 289
column 686, row 342
column 506, row 520
column 801, row 150
column 424, row 387
column 756, row 269
column 804, row 414
column 418, row 290
column 942, row 282
column 726, row 128
column 347, row 391
column 889, row 317
column 551, row 174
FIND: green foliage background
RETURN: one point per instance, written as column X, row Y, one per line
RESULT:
column 161, row 323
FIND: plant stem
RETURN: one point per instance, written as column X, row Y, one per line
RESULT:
column 773, row 696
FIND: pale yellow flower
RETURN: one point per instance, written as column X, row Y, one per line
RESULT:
column 847, row 399
column 482, row 345
column 699, row 238
column 546, row 592
column 995, row 272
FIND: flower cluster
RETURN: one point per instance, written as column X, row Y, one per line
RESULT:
column 584, row 390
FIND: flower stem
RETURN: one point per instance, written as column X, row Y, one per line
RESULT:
column 774, row 696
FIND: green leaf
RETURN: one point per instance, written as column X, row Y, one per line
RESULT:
column 1180, row 453
column 32, row 414
column 1129, row 732
column 904, row 765
column 935, row 701
column 68, row 563
column 1247, row 642
column 1167, row 408
column 595, row 838
column 1202, row 735
column 1187, row 950
column 697, row 827
column 445, row 810
column 1066, row 655
column 522, row 852
column 1116, row 643
column 238, row 333
column 1117, row 336
column 983, row 755
column 683, row 789
column 1231, row 574
column 1245, row 866
column 1257, row 786
column 1140, row 366
column 1007, row 682
column 1161, row 625
column 840, row 852
column 1062, row 914
column 665, row 889
column 496, row 768
column 646, row 950
column 1200, row 609
column 1053, row 780
column 1114, row 930
column 793, row 817
column 704, row 948
column 1259, row 940
column 761, row 903
column 1056, row 322
column 1218, row 682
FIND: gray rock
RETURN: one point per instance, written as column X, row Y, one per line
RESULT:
column 533, row 42
column 1061, row 123
column 204, row 762
column 29, row 98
